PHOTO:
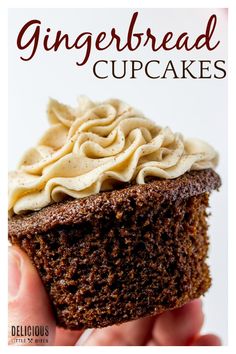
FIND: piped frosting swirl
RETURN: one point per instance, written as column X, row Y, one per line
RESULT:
column 95, row 146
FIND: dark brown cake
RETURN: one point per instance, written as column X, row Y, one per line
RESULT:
column 120, row 255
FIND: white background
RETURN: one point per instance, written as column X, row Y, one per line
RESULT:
column 194, row 107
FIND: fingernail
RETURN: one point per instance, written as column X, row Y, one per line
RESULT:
column 14, row 274
column 198, row 302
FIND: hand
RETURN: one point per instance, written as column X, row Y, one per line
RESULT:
column 29, row 305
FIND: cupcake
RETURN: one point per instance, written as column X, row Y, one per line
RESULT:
column 112, row 211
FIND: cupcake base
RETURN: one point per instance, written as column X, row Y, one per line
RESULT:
column 121, row 255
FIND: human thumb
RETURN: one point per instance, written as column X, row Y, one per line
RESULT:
column 30, row 317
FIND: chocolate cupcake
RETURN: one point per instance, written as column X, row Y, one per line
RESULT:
column 112, row 211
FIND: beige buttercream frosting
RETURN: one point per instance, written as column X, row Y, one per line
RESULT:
column 89, row 149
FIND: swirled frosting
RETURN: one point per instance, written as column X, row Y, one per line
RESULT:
column 95, row 146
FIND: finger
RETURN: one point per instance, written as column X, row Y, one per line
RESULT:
column 180, row 326
column 207, row 340
column 152, row 343
column 28, row 303
column 130, row 333
column 66, row 337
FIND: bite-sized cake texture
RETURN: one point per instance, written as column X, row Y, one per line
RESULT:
column 122, row 254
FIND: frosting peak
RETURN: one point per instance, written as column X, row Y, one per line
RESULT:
column 90, row 148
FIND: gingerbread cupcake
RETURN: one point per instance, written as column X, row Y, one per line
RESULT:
column 112, row 211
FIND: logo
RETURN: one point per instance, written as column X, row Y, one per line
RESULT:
column 37, row 334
